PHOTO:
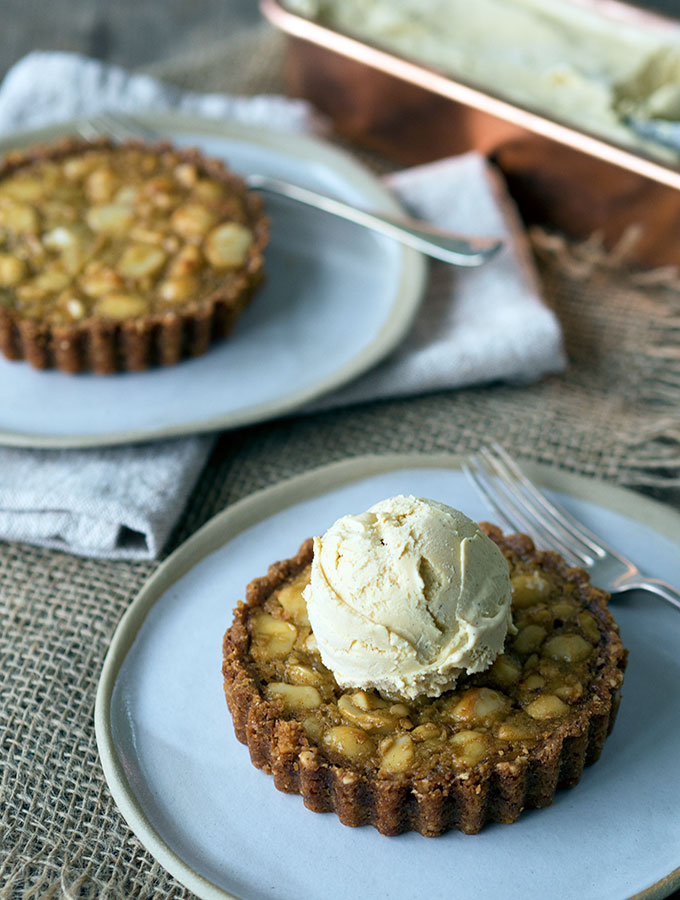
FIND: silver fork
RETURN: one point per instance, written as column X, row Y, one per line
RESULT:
column 521, row 506
column 455, row 249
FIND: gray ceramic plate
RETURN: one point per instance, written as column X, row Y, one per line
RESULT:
column 337, row 299
column 187, row 787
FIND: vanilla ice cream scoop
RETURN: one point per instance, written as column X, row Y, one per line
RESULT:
column 406, row 596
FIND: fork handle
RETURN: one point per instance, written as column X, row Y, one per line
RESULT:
column 669, row 593
column 452, row 248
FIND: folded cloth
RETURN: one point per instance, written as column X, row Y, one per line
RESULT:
column 46, row 87
column 475, row 325
column 113, row 502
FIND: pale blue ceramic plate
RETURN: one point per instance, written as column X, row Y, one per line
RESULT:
column 337, row 298
column 187, row 787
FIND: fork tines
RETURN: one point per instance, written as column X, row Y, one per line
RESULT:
column 521, row 506
column 116, row 125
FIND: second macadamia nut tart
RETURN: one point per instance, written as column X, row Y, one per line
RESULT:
column 121, row 257
column 503, row 740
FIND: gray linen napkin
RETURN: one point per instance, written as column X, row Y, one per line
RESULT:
column 113, row 502
column 474, row 326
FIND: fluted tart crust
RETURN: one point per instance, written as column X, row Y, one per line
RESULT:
column 118, row 257
column 504, row 740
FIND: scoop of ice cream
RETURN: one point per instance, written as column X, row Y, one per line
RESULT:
column 406, row 596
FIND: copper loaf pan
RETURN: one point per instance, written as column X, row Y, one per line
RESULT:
column 562, row 174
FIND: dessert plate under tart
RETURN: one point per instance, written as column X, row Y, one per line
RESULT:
column 187, row 787
column 336, row 299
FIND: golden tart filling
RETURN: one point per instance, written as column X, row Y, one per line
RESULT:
column 158, row 237
column 501, row 740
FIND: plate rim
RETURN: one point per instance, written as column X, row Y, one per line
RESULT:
column 257, row 507
column 407, row 299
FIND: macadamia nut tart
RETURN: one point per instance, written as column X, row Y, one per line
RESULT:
column 120, row 257
column 504, row 740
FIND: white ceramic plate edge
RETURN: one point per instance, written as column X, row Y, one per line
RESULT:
column 303, row 146
column 261, row 505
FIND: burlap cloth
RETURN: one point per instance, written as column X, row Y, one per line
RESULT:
column 615, row 414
